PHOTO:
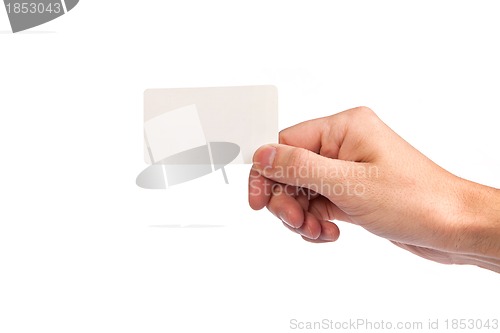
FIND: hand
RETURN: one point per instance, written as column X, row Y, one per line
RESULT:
column 354, row 168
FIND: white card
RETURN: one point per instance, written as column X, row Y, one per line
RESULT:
column 246, row 116
column 173, row 132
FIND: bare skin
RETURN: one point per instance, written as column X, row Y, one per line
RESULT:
column 352, row 167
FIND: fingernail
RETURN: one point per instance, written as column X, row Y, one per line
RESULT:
column 267, row 155
column 301, row 232
column 284, row 219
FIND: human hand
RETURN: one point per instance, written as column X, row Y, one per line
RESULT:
column 354, row 168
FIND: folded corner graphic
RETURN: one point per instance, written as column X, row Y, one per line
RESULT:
column 178, row 150
column 24, row 15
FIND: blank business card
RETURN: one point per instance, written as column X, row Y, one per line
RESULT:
column 246, row 116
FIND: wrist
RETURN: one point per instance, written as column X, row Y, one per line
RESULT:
column 478, row 227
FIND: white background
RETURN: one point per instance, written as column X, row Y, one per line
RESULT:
column 82, row 249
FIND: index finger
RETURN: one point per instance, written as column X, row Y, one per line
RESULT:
column 323, row 136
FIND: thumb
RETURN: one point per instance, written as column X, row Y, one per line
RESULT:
column 300, row 167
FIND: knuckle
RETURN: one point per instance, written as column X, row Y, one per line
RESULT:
column 364, row 108
column 364, row 111
column 364, row 116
